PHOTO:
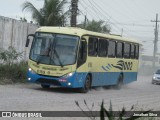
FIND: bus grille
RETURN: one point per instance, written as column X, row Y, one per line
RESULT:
column 48, row 81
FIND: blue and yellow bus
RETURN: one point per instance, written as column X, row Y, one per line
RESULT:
column 77, row 58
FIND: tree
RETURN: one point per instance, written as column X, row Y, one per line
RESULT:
column 23, row 19
column 51, row 14
column 96, row 26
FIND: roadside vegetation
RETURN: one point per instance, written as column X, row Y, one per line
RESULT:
column 96, row 26
column 12, row 70
column 110, row 114
column 52, row 14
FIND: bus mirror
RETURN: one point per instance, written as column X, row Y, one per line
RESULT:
column 28, row 40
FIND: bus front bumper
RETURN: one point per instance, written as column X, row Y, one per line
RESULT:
column 70, row 80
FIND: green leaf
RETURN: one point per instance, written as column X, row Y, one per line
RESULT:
column 102, row 117
column 51, row 14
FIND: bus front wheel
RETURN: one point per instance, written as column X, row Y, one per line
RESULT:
column 87, row 85
column 45, row 86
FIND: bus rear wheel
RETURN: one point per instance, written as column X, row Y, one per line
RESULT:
column 120, row 82
column 45, row 86
column 87, row 85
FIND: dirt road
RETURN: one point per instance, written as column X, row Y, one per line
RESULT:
column 31, row 97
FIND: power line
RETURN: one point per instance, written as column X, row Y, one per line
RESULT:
column 124, row 24
column 95, row 10
column 119, row 29
column 99, row 12
column 104, row 15
column 132, row 24
column 91, row 12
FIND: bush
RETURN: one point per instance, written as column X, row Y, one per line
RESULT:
column 10, row 55
column 13, row 73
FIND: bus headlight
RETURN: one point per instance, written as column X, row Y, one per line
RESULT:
column 30, row 70
column 68, row 75
column 154, row 77
column 69, row 84
column 64, row 78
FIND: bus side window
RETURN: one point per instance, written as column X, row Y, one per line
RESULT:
column 92, row 46
column 126, row 51
column 136, row 51
column 102, row 51
column 111, row 49
column 119, row 50
column 132, row 51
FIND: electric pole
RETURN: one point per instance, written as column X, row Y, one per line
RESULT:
column 85, row 21
column 74, row 9
column 155, row 40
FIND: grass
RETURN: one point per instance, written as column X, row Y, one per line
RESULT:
column 15, row 73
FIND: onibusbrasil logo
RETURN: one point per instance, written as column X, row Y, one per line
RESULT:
column 21, row 114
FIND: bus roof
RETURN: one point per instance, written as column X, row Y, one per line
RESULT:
column 82, row 32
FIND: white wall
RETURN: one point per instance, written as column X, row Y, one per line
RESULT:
column 14, row 33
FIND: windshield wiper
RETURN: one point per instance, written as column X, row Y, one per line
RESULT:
column 38, row 59
column 58, row 57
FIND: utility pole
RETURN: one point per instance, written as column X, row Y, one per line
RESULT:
column 85, row 21
column 74, row 9
column 155, row 40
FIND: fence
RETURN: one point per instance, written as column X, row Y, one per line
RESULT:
column 14, row 33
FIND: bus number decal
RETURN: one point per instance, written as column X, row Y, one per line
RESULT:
column 121, row 65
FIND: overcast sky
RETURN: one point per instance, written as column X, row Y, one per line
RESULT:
column 133, row 16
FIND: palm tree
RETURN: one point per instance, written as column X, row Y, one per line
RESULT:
column 50, row 15
column 96, row 26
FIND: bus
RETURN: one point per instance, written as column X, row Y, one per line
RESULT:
column 76, row 58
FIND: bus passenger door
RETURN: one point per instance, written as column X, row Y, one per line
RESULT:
column 81, row 62
column 93, row 61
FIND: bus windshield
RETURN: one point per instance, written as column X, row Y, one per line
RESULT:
column 54, row 49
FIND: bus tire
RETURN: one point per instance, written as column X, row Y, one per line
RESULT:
column 119, row 82
column 87, row 85
column 45, row 86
